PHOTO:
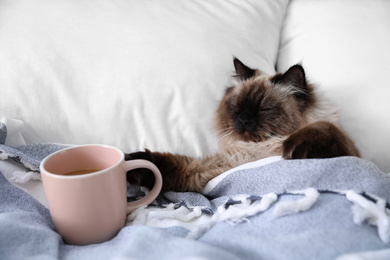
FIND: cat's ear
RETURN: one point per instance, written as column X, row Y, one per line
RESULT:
column 242, row 71
column 294, row 76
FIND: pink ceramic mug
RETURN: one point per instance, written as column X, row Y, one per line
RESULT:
column 91, row 208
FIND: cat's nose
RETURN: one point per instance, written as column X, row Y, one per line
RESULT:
column 245, row 122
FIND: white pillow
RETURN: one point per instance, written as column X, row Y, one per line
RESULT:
column 344, row 47
column 133, row 74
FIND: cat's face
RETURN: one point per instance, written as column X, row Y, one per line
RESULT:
column 259, row 106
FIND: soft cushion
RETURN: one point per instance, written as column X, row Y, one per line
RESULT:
column 344, row 47
column 132, row 74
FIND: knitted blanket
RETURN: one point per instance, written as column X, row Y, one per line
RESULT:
column 270, row 209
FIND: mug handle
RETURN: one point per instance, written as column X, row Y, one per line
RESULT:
column 139, row 163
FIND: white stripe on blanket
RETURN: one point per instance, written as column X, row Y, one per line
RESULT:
column 212, row 183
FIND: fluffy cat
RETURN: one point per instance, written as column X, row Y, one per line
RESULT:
column 259, row 116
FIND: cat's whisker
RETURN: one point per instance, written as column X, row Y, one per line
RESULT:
column 275, row 137
column 233, row 156
column 225, row 130
column 225, row 135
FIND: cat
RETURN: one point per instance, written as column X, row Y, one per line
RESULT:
column 258, row 117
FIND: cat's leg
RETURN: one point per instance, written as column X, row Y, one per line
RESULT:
column 319, row 140
column 179, row 172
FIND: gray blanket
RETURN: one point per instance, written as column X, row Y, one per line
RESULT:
column 287, row 209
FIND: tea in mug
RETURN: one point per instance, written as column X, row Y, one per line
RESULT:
column 81, row 172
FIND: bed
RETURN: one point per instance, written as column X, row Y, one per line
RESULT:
column 149, row 74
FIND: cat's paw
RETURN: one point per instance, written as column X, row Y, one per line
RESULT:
column 140, row 176
column 318, row 140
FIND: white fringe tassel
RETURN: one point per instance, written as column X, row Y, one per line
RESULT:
column 3, row 156
column 373, row 213
column 364, row 210
column 165, row 217
column 23, row 177
column 284, row 208
column 235, row 213
column 182, row 214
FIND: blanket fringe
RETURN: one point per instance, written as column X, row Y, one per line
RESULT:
column 3, row 155
column 166, row 216
column 236, row 213
column 284, row 208
column 374, row 214
column 182, row 214
column 23, row 177
column 366, row 208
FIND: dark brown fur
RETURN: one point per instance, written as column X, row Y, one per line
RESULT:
column 260, row 116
